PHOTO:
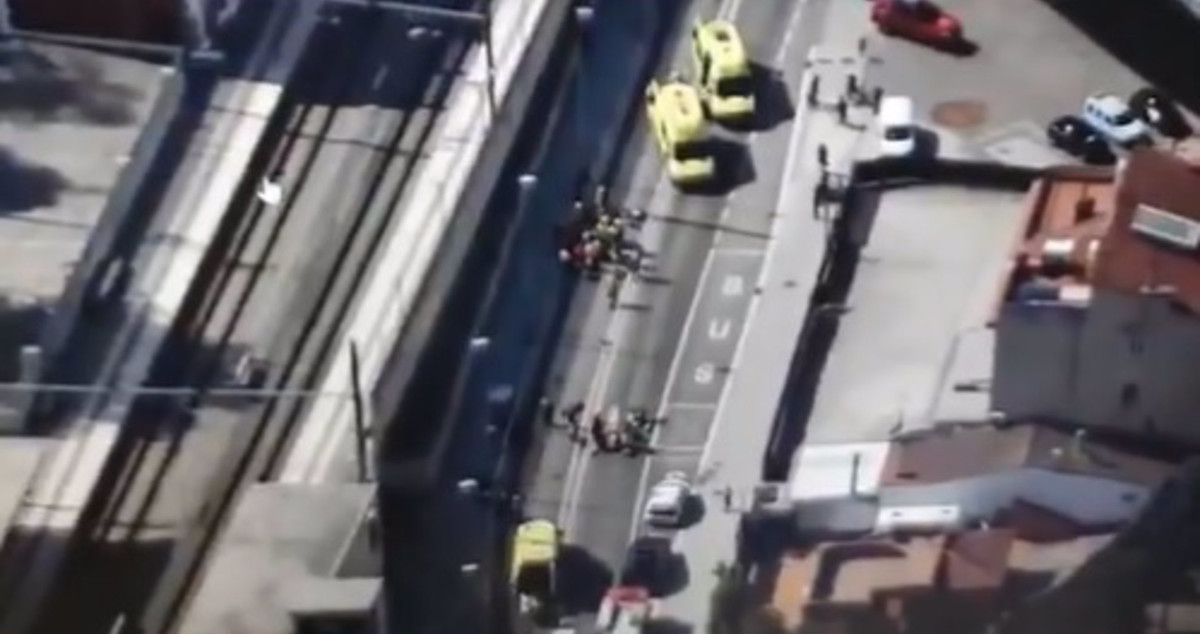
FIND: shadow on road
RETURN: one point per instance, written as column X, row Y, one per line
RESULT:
column 667, row 625
column 694, row 509
column 774, row 102
column 734, row 168
column 583, row 580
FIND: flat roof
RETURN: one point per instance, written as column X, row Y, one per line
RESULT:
column 19, row 458
column 69, row 118
column 923, row 290
column 283, row 543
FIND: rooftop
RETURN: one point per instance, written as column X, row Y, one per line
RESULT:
column 950, row 452
column 864, row 573
column 280, row 556
column 912, row 310
column 1131, row 262
column 1067, row 212
column 1134, row 233
column 68, row 121
column 996, row 473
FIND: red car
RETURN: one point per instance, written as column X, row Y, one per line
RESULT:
column 917, row 20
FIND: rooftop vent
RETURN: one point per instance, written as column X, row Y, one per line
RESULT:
column 1166, row 226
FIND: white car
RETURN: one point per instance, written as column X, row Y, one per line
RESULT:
column 1112, row 117
column 667, row 503
column 897, row 133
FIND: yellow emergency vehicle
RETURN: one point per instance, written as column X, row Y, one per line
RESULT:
column 722, row 70
column 677, row 119
column 534, row 555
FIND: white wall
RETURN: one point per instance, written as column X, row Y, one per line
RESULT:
column 1074, row 365
column 1085, row 499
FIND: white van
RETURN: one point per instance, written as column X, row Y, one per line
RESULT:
column 897, row 134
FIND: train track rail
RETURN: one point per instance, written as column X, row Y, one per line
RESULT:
column 190, row 461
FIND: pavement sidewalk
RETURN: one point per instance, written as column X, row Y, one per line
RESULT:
column 732, row 461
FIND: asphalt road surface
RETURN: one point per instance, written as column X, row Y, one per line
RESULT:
column 667, row 345
column 1032, row 66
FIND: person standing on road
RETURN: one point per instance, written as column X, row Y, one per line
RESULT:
column 600, row 434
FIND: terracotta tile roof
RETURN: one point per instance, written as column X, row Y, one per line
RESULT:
column 951, row 452
column 1067, row 211
column 978, row 560
column 905, row 566
column 1132, row 263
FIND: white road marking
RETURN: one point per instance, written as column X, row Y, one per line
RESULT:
column 748, row 252
column 692, row 406
column 678, row 449
column 672, row 376
column 785, row 192
column 794, row 139
column 614, row 335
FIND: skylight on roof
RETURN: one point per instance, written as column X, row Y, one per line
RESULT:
column 1166, row 226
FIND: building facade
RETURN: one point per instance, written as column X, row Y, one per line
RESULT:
column 1099, row 323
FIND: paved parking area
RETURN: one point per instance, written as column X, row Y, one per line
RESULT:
column 1032, row 66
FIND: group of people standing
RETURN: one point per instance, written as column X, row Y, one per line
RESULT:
column 611, row 431
column 595, row 237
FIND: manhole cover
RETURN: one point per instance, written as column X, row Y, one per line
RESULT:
column 960, row 114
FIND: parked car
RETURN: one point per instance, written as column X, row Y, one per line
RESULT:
column 918, row 20
column 647, row 564
column 1074, row 136
column 666, row 505
column 1160, row 112
column 1113, row 118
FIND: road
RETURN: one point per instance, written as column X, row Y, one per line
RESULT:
column 520, row 300
column 668, row 344
column 351, row 155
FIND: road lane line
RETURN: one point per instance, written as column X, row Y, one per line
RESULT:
column 677, row 450
column 581, row 456
column 692, row 406
column 614, row 336
column 794, row 139
column 747, row 252
column 669, row 386
column 593, row 402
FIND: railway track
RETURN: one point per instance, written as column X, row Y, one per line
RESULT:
column 185, row 463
